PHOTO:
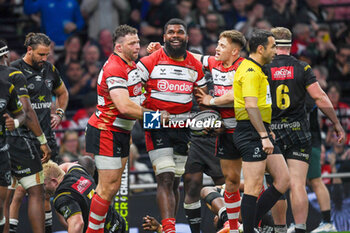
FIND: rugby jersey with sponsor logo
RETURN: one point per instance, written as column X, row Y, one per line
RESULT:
column 223, row 80
column 116, row 73
column 169, row 84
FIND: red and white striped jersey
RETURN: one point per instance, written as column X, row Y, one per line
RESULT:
column 116, row 73
column 169, row 84
column 222, row 82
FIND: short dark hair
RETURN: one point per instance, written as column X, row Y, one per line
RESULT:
column 259, row 37
column 122, row 31
column 35, row 39
column 174, row 21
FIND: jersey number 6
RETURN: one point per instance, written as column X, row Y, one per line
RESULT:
column 282, row 97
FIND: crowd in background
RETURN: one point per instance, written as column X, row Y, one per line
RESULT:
column 82, row 34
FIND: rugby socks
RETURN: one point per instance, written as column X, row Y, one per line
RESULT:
column 326, row 216
column 98, row 212
column 48, row 221
column 193, row 215
column 13, row 225
column 248, row 211
column 2, row 224
column 280, row 228
column 300, row 228
column 233, row 206
column 223, row 215
column 168, row 225
column 266, row 201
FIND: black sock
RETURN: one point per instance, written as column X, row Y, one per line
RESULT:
column 326, row 215
column 222, row 218
column 267, row 200
column 13, row 225
column 248, row 211
column 48, row 221
column 193, row 215
column 2, row 228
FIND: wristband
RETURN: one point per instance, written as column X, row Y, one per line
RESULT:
column 212, row 101
column 16, row 122
column 264, row 137
column 42, row 139
column 60, row 112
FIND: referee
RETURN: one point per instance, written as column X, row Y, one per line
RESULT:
column 252, row 103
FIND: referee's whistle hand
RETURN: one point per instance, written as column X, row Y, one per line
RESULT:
column 267, row 146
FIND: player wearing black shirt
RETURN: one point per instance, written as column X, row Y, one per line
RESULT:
column 289, row 81
column 72, row 189
column 43, row 81
column 17, row 78
column 9, row 103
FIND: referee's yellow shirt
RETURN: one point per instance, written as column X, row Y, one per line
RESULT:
column 250, row 81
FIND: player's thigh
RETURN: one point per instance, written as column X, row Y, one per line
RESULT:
column 277, row 167
column 231, row 168
column 298, row 170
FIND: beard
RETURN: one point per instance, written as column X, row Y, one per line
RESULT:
column 176, row 52
column 37, row 65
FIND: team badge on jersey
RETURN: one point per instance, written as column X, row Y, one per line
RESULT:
column 48, row 84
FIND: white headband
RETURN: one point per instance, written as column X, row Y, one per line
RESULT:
column 283, row 42
column 4, row 50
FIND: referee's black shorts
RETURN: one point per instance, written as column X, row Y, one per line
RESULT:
column 249, row 144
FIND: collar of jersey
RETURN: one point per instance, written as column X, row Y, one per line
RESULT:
column 120, row 58
column 252, row 60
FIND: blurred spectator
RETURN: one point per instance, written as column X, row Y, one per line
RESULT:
column 59, row 18
column 13, row 56
column 105, row 40
column 255, row 13
column 203, row 8
column 339, row 156
column 81, row 117
column 103, row 14
column 195, row 39
column 282, row 13
column 263, row 24
column 322, row 49
column 160, row 12
column 91, row 63
column 135, row 165
column 72, row 52
column 184, row 9
column 302, row 38
column 212, row 29
column 70, row 148
column 210, row 50
column 235, row 14
column 340, row 12
column 321, row 74
column 340, row 71
column 312, row 14
column 77, row 84
column 341, row 109
column 326, row 167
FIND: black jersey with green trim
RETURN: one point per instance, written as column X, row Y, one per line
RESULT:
column 40, row 84
column 9, row 102
column 16, row 77
column 288, row 79
column 74, row 194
